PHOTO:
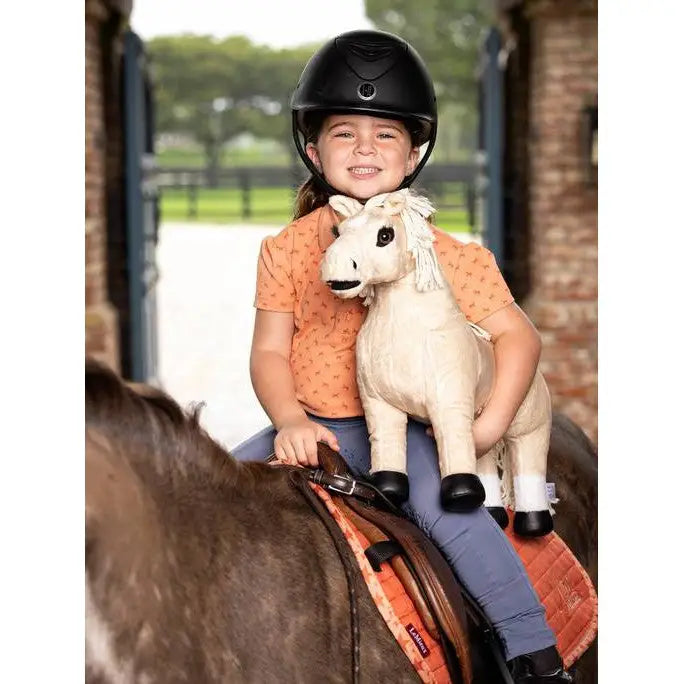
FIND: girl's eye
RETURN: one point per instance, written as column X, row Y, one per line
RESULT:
column 386, row 135
column 336, row 231
column 343, row 134
column 385, row 236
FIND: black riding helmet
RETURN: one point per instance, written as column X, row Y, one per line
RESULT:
column 366, row 72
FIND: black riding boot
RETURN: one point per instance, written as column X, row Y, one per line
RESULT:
column 539, row 667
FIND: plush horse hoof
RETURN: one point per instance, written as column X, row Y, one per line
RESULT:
column 532, row 523
column 394, row 485
column 461, row 492
column 499, row 514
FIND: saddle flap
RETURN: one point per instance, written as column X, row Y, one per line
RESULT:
column 436, row 578
column 375, row 536
column 434, row 583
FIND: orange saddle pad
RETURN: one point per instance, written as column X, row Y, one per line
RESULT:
column 564, row 588
column 561, row 583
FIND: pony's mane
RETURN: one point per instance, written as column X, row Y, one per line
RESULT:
column 148, row 424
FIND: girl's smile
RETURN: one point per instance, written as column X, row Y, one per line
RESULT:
column 364, row 171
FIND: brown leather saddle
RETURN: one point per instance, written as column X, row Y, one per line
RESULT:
column 447, row 611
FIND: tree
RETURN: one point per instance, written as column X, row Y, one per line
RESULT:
column 448, row 35
column 216, row 89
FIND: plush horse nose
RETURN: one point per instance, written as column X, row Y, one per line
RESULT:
column 354, row 264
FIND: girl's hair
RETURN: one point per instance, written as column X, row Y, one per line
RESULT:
column 310, row 194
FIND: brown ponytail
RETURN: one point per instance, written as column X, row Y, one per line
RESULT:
column 310, row 196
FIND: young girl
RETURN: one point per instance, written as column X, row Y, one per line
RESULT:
column 365, row 105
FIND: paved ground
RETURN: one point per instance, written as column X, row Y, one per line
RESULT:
column 205, row 319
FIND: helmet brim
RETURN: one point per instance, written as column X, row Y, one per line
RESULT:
column 420, row 127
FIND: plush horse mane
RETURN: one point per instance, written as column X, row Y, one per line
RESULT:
column 153, row 428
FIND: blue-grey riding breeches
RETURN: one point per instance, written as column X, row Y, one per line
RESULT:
column 473, row 543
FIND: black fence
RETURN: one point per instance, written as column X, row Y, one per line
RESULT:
column 450, row 186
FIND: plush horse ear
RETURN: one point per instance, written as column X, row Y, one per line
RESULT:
column 345, row 206
column 392, row 203
column 376, row 201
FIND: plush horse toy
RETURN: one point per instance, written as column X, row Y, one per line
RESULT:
column 418, row 355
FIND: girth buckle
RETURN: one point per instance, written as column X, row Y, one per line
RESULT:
column 349, row 485
column 334, row 483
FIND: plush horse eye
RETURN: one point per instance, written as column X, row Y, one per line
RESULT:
column 336, row 231
column 385, row 236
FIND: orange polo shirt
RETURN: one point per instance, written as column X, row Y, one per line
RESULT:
column 323, row 357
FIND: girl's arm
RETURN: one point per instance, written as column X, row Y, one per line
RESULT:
column 273, row 384
column 269, row 366
column 517, row 347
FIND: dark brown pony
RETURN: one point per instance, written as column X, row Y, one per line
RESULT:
column 573, row 466
column 203, row 569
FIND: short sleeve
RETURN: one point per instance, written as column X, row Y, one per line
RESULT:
column 474, row 277
column 274, row 286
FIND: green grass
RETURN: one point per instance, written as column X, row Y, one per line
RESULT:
column 181, row 158
column 272, row 206
column 224, row 205
column 195, row 159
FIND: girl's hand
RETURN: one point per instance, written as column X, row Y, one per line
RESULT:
column 296, row 442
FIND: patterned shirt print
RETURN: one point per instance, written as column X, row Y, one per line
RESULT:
column 323, row 357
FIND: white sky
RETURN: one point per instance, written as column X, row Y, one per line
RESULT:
column 278, row 23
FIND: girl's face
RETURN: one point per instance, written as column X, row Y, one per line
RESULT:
column 362, row 156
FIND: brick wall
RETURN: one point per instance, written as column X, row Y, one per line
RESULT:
column 102, row 22
column 559, row 221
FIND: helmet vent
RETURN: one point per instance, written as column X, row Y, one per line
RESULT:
column 368, row 59
column 370, row 52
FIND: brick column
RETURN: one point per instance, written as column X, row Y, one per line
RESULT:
column 562, row 302
column 102, row 339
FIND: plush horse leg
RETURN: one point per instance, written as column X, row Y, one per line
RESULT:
column 489, row 476
column 387, row 433
column 461, row 489
column 526, row 455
